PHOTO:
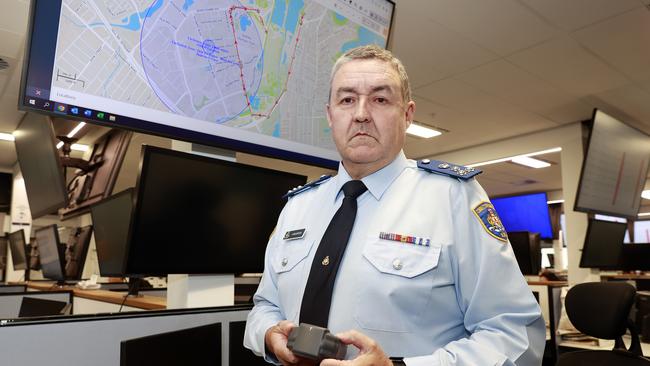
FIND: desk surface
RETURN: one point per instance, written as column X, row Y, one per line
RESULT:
column 142, row 302
column 543, row 282
column 625, row 276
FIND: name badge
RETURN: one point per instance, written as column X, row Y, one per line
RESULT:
column 294, row 234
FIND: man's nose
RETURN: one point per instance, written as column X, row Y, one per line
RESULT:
column 361, row 113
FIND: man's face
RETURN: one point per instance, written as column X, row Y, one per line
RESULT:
column 367, row 115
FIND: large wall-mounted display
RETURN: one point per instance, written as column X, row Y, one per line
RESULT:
column 615, row 168
column 247, row 75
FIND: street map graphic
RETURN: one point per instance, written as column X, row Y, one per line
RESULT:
column 258, row 65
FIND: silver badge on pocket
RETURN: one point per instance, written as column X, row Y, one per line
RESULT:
column 294, row 234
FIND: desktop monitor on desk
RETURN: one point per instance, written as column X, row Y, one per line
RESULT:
column 528, row 252
column 17, row 245
column 76, row 251
column 199, row 215
column 111, row 218
column 603, row 247
column 199, row 346
column 51, row 253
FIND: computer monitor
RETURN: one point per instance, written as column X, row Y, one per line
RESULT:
column 76, row 251
column 199, row 215
column 33, row 306
column 40, row 165
column 51, row 252
column 526, row 212
column 635, row 257
column 198, row 346
column 3, row 252
column 17, row 246
column 249, row 76
column 6, row 185
column 111, row 218
column 34, row 257
column 528, row 252
column 614, row 168
column 603, row 245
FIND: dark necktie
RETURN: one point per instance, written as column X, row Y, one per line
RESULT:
column 316, row 301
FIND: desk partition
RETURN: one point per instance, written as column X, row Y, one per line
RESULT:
column 96, row 339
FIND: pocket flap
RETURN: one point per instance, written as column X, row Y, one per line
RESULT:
column 289, row 255
column 406, row 260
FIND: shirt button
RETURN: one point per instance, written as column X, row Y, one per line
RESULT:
column 397, row 264
column 284, row 262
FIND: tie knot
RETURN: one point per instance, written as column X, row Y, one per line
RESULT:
column 354, row 189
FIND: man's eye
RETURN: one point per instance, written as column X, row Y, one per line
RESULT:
column 381, row 100
column 347, row 100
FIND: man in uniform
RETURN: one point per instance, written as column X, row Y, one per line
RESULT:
column 427, row 277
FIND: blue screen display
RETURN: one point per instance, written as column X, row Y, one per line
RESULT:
column 525, row 213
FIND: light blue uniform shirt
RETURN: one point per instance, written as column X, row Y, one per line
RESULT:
column 459, row 301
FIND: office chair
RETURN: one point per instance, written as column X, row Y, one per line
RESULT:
column 601, row 309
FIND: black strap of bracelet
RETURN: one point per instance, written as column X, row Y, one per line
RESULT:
column 398, row 361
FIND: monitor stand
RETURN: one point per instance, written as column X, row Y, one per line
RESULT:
column 196, row 291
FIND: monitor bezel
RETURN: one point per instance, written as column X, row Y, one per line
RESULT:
column 19, row 248
column 586, row 245
column 61, row 267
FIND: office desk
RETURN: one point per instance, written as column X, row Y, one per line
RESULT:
column 624, row 277
column 96, row 301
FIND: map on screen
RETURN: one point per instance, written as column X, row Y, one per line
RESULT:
column 256, row 65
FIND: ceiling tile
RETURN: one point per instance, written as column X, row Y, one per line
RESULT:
column 13, row 17
column 11, row 44
column 503, row 26
column 574, row 14
column 442, row 52
column 564, row 63
column 623, row 42
column 9, row 113
column 630, row 100
column 514, row 85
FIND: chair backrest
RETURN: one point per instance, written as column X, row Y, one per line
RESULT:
column 600, row 309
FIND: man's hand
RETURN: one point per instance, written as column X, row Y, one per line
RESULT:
column 370, row 354
column 276, row 342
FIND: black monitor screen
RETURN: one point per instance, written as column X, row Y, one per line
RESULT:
column 614, row 169
column 111, row 219
column 17, row 246
column 40, row 165
column 199, row 346
column 200, row 215
column 76, row 251
column 32, row 306
column 49, row 249
column 246, row 75
column 527, row 249
column 603, row 245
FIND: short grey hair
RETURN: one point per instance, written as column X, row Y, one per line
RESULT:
column 374, row 52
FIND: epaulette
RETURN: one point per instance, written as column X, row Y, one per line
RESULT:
column 307, row 186
column 450, row 170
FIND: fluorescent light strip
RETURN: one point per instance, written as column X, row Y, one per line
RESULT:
column 496, row 161
column 7, row 136
column 554, row 201
column 646, row 194
column 77, row 147
column 530, row 162
column 643, row 214
column 422, row 131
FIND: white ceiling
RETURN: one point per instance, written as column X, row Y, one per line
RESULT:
column 484, row 70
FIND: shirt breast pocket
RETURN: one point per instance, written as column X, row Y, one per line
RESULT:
column 402, row 281
column 291, row 269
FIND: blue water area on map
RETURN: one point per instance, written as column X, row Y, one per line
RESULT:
column 276, row 129
column 132, row 22
column 244, row 22
column 365, row 37
column 293, row 15
column 255, row 101
column 187, row 4
column 340, row 17
column 278, row 13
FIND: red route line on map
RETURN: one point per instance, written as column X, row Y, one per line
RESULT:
column 241, row 65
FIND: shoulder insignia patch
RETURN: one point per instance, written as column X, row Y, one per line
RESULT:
column 490, row 221
column 448, row 169
column 309, row 185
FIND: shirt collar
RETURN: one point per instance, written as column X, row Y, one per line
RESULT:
column 377, row 182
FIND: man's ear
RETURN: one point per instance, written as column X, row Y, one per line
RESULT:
column 409, row 114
